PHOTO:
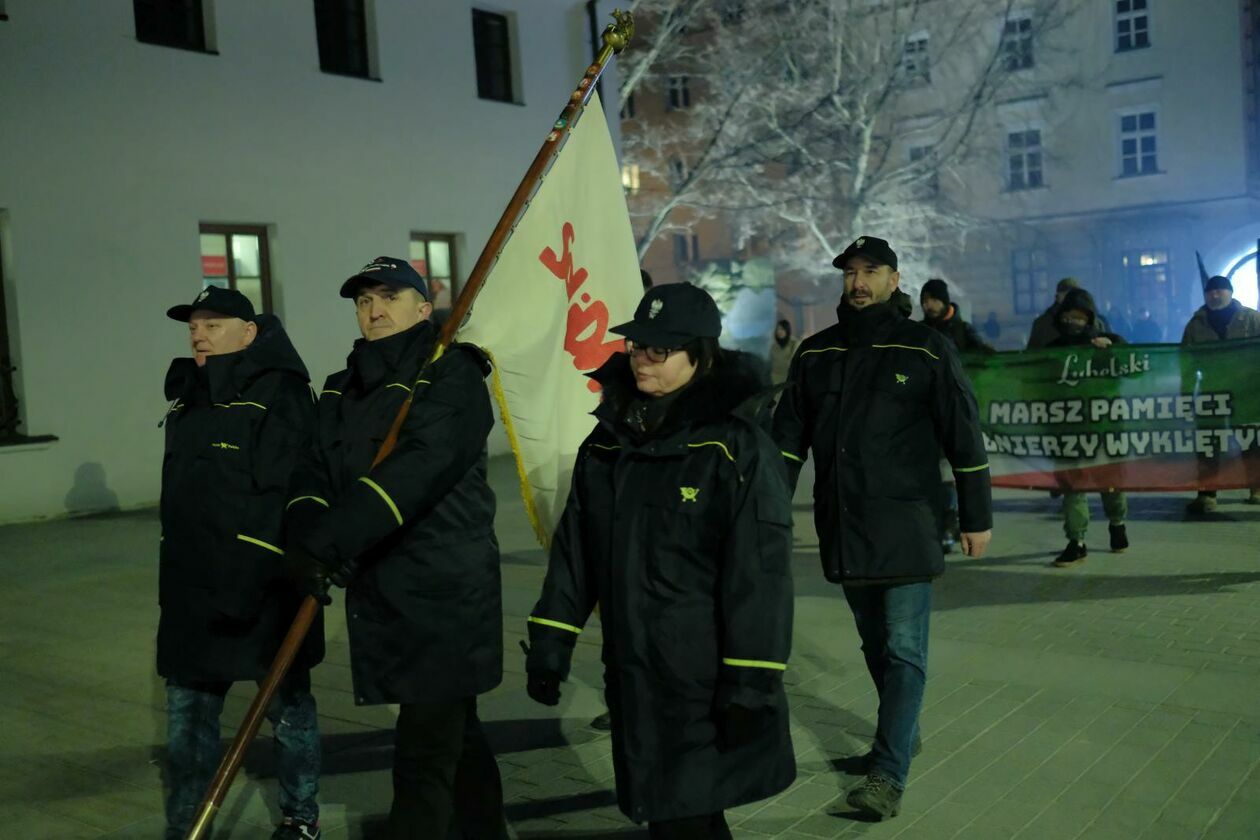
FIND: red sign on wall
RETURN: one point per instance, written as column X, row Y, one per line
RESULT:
column 214, row 266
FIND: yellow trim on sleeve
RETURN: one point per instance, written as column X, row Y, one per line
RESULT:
column 824, row 350
column 260, row 543
column 398, row 385
column 797, row 458
column 306, row 498
column 971, row 469
column 238, row 404
column 329, row 391
column 716, row 443
column 381, row 492
column 755, row 663
column 908, row 347
column 604, row 446
column 423, row 382
column 547, row 622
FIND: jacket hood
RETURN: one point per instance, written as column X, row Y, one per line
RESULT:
column 1079, row 299
column 232, row 373
column 371, row 362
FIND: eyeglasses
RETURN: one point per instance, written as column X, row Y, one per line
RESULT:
column 655, row 355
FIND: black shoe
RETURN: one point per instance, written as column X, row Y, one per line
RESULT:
column 1201, row 505
column 875, row 797
column 1072, row 555
column 603, row 723
column 1119, row 539
column 291, row 829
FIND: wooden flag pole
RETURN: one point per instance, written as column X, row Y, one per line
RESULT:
column 616, row 37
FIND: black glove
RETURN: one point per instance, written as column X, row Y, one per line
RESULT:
column 307, row 573
column 740, row 725
column 542, row 686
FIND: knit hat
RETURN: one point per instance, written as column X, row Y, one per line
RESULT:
column 1218, row 282
column 937, row 289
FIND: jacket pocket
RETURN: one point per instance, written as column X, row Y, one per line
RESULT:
column 774, row 533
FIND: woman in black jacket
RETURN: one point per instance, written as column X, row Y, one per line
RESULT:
column 678, row 525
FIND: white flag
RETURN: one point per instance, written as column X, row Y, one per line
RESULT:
column 568, row 273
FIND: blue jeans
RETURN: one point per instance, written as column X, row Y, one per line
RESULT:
column 194, row 751
column 893, row 624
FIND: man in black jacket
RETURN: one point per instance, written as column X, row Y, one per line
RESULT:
column 240, row 416
column 412, row 541
column 878, row 398
column 941, row 314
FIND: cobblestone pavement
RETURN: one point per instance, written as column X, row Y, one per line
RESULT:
column 1117, row 699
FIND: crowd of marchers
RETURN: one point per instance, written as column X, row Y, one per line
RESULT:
column 678, row 528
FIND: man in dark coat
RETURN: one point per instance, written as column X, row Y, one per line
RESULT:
column 1046, row 328
column 412, row 540
column 241, row 415
column 678, row 525
column 941, row 314
column 878, row 398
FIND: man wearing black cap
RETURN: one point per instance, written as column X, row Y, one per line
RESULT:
column 1221, row 318
column 941, row 314
column 412, row 541
column 878, row 398
column 240, row 417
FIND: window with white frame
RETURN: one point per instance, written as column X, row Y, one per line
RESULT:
column 1139, row 144
column 1146, row 274
column 1030, row 280
column 1024, row 159
column 678, row 93
column 916, row 66
column 1133, row 25
column 1017, row 43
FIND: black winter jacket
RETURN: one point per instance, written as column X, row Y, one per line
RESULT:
column 424, row 607
column 683, row 537
column 878, row 398
column 961, row 333
column 234, row 431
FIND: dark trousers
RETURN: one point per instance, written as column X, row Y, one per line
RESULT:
column 706, row 827
column 446, row 781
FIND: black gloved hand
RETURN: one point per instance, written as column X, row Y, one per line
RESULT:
column 542, row 686
column 739, row 725
column 307, row 573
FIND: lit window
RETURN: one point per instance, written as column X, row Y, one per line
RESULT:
column 1017, row 44
column 1138, row 144
column 1024, row 159
column 630, row 177
column 915, row 66
column 237, row 257
column 433, row 255
column 1133, row 25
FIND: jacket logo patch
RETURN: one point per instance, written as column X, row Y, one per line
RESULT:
column 224, row 446
column 655, row 307
column 690, row 494
column 902, row 379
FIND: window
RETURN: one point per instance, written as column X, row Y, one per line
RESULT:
column 1030, row 277
column 1023, row 149
column 915, row 68
column 492, row 46
column 1138, row 147
column 686, row 248
column 677, row 172
column 341, row 31
column 1133, row 25
column 678, row 93
column 171, row 23
column 237, row 257
column 627, row 108
column 630, row 177
column 1146, row 275
column 433, row 255
column 1017, row 44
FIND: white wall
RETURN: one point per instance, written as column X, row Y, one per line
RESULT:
column 112, row 152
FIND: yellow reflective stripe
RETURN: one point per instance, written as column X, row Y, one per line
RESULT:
column 329, row 391
column 234, row 404
column 797, row 458
column 755, row 663
column 267, row 546
column 907, row 347
column 222, row 445
column 971, row 469
column 560, row 625
column 393, row 507
column 824, row 350
column 603, row 446
column 423, row 382
column 398, row 385
column 306, row 498
column 716, row 443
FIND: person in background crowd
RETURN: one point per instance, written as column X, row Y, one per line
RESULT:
column 782, row 349
column 1220, row 318
column 941, row 314
column 992, row 329
column 679, row 525
column 1077, row 324
column 1115, row 319
column 1146, row 330
column 1045, row 330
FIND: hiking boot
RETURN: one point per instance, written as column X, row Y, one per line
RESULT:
column 293, row 829
column 1253, row 498
column 1072, row 555
column 875, row 797
column 1202, row 504
column 1119, row 539
column 603, row 723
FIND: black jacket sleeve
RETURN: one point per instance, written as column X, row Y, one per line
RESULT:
column 973, row 343
column 442, row 438
column 755, row 591
column 792, row 421
column 957, row 420
column 310, row 486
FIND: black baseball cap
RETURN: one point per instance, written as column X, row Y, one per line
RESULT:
column 671, row 315
column 227, row 302
column 386, row 271
column 873, row 248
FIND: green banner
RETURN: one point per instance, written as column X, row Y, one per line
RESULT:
column 1127, row 417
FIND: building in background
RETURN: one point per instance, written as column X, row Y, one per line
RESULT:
column 151, row 148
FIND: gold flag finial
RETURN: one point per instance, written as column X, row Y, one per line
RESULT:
column 618, row 33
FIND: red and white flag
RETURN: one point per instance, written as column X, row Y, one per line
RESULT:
column 568, row 273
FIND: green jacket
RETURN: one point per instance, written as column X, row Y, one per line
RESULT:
column 1244, row 324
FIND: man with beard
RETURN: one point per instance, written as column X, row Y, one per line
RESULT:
column 941, row 314
column 878, row 398
column 1221, row 318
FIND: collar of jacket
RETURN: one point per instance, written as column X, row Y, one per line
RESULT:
column 734, row 388
column 394, row 358
column 229, row 375
column 861, row 327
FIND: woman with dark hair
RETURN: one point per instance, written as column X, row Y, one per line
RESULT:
column 782, row 349
column 678, row 525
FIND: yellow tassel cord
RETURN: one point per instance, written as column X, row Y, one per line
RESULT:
column 527, row 492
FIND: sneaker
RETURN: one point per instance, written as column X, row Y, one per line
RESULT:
column 1073, row 554
column 1201, row 505
column 875, row 797
column 1253, row 498
column 1119, row 539
column 603, row 723
column 293, row 829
